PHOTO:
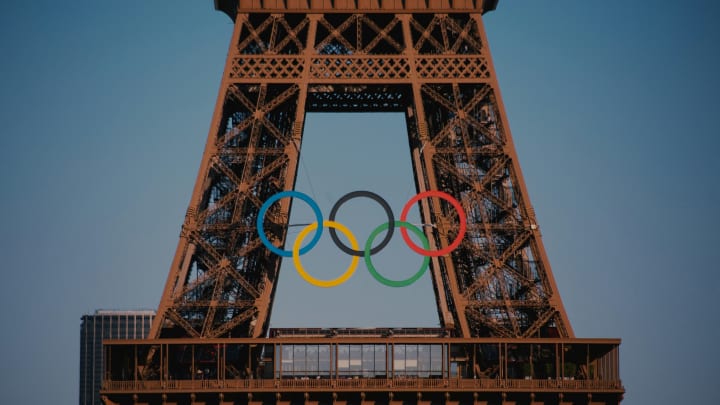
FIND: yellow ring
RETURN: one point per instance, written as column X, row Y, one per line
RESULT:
column 312, row 280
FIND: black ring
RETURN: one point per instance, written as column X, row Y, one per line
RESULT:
column 388, row 212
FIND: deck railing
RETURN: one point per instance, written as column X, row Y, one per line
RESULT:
column 369, row 384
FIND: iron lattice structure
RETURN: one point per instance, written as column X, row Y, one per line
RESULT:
column 504, row 335
column 436, row 68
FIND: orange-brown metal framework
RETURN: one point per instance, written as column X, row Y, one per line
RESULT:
column 386, row 56
column 426, row 58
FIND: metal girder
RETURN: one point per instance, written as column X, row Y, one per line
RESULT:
column 233, row 7
column 437, row 68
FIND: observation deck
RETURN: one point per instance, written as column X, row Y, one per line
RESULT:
column 327, row 366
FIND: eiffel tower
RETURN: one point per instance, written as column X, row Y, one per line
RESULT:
column 504, row 338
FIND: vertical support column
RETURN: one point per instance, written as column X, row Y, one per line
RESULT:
column 564, row 326
column 186, row 249
column 451, row 308
column 299, row 124
column 264, row 302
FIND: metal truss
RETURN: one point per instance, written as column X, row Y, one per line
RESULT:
column 431, row 63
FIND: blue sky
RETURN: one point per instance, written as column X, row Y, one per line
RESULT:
column 105, row 107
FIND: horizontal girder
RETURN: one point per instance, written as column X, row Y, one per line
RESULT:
column 233, row 7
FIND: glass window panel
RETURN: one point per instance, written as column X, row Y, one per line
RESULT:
column 355, row 358
column 324, row 360
column 343, row 362
column 453, row 369
column 368, row 360
column 311, row 360
column 398, row 360
column 411, row 359
column 380, row 361
column 299, row 366
column 488, row 360
column 424, row 360
column 436, row 359
column 287, row 360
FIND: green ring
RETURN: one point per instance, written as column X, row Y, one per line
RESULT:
column 396, row 283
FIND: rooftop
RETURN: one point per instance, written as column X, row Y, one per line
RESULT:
column 122, row 312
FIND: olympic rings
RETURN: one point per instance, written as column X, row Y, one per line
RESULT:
column 388, row 212
column 386, row 281
column 461, row 218
column 301, row 270
column 261, row 227
column 368, row 251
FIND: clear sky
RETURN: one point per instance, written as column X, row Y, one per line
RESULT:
column 614, row 107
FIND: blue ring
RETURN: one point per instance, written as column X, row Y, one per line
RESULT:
column 261, row 216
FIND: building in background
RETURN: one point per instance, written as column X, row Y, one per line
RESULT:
column 105, row 324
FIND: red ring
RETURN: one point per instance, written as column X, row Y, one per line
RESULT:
column 461, row 216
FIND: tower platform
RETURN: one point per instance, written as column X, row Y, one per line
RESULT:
column 324, row 366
